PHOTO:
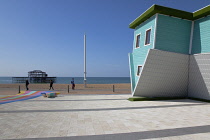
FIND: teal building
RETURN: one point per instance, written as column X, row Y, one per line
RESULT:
column 171, row 53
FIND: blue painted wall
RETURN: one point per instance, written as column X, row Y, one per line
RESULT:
column 201, row 36
column 173, row 34
column 139, row 54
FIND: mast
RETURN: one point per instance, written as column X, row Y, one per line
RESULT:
column 85, row 61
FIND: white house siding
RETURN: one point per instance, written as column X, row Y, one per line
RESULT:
column 199, row 76
column 165, row 74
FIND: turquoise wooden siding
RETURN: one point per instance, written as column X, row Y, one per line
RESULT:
column 173, row 34
column 132, row 70
column 201, row 36
column 139, row 54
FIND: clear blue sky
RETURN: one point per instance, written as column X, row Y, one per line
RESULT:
column 48, row 35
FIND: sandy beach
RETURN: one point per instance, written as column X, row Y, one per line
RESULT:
column 12, row 89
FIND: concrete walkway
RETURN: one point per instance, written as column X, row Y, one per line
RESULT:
column 104, row 117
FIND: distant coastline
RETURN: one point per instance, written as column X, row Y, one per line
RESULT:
column 79, row 80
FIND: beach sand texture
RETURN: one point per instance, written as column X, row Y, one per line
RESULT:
column 12, row 89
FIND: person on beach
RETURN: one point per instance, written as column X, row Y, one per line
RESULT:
column 27, row 83
column 72, row 84
column 51, row 84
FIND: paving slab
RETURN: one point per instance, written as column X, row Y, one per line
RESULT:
column 97, row 117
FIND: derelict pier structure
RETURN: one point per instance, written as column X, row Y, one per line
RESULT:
column 35, row 76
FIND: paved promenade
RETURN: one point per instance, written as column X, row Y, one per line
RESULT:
column 104, row 117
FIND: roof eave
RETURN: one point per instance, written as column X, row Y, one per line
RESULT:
column 202, row 12
column 161, row 10
column 148, row 13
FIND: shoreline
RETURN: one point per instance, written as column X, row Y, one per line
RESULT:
column 121, row 88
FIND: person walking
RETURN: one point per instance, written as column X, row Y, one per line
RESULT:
column 72, row 84
column 27, row 83
column 51, row 84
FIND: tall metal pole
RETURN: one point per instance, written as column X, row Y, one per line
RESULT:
column 85, row 61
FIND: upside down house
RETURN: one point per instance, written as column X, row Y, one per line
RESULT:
column 171, row 53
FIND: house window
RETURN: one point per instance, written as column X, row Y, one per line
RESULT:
column 138, row 41
column 148, row 33
column 139, row 70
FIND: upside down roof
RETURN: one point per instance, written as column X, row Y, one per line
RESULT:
column 170, row 12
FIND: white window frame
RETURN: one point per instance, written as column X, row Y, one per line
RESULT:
column 136, row 40
column 146, row 37
column 138, row 72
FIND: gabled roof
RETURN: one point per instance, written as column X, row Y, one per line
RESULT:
column 170, row 12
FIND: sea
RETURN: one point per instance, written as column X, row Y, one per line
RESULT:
column 79, row 80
